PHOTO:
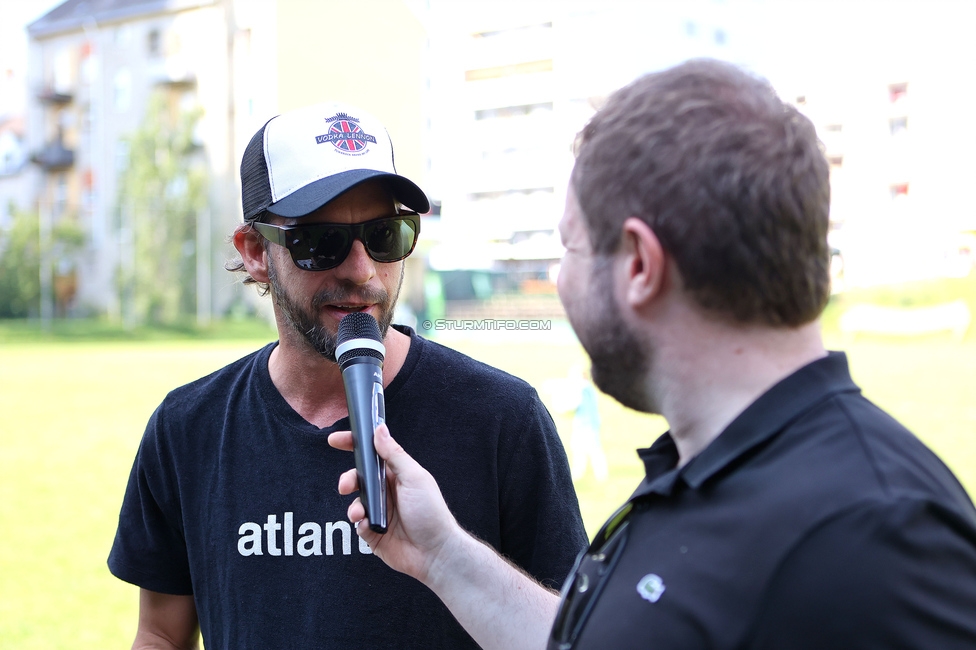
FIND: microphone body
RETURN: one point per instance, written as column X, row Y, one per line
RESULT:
column 360, row 353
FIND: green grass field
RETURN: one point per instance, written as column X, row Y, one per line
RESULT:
column 72, row 413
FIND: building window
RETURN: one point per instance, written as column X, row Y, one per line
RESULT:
column 497, row 72
column 60, row 196
column 897, row 92
column 122, row 90
column 512, row 111
column 123, row 35
column 88, row 191
column 63, row 72
column 526, row 30
column 86, row 66
column 508, row 195
column 121, row 156
column 153, row 42
column 9, row 163
column 898, row 125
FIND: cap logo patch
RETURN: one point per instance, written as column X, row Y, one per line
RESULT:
column 346, row 135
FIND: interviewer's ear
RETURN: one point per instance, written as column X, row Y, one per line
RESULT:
column 251, row 246
column 645, row 261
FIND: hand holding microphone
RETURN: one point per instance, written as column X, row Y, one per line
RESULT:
column 421, row 527
column 360, row 353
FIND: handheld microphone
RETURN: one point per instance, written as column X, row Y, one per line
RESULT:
column 360, row 352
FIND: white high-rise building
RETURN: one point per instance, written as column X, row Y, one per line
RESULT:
column 886, row 84
column 512, row 82
column 889, row 91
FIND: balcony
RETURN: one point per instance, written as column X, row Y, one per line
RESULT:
column 54, row 156
column 51, row 96
column 173, row 71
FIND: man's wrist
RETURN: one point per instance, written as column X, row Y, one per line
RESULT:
column 452, row 558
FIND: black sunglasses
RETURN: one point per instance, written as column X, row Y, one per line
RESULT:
column 588, row 578
column 323, row 246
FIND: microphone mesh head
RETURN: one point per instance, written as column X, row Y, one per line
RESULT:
column 359, row 325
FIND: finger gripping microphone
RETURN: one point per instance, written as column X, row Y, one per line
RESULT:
column 360, row 353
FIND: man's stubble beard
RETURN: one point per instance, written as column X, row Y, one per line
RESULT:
column 620, row 365
column 305, row 321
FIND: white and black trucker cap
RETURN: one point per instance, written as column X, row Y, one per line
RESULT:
column 302, row 159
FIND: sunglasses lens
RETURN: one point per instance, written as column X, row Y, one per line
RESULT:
column 316, row 248
column 390, row 240
column 330, row 243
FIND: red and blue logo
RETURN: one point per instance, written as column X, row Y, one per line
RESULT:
column 345, row 134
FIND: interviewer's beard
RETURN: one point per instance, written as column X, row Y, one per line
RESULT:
column 620, row 365
column 305, row 320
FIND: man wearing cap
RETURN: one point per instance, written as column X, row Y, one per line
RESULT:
column 231, row 523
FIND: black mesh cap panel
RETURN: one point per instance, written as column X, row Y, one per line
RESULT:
column 255, row 186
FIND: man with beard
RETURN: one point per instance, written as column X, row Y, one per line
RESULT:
column 782, row 509
column 231, row 524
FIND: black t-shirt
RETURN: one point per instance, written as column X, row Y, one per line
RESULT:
column 813, row 521
column 233, row 499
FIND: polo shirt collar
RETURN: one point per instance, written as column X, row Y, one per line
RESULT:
column 768, row 415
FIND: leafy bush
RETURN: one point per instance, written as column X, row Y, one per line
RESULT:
column 20, row 260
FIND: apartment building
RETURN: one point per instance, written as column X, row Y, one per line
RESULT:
column 887, row 89
column 892, row 103
column 96, row 65
column 511, row 85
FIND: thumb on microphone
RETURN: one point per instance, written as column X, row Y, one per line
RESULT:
column 398, row 461
column 390, row 450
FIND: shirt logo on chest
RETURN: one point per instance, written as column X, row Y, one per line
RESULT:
column 651, row 587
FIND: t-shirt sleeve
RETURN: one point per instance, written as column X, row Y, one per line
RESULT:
column 149, row 549
column 542, row 529
column 882, row 575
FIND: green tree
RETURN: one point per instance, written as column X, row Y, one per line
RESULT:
column 20, row 260
column 161, row 191
column 20, row 263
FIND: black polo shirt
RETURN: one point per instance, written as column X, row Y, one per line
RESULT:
column 814, row 520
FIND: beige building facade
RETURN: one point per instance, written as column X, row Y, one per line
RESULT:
column 94, row 66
